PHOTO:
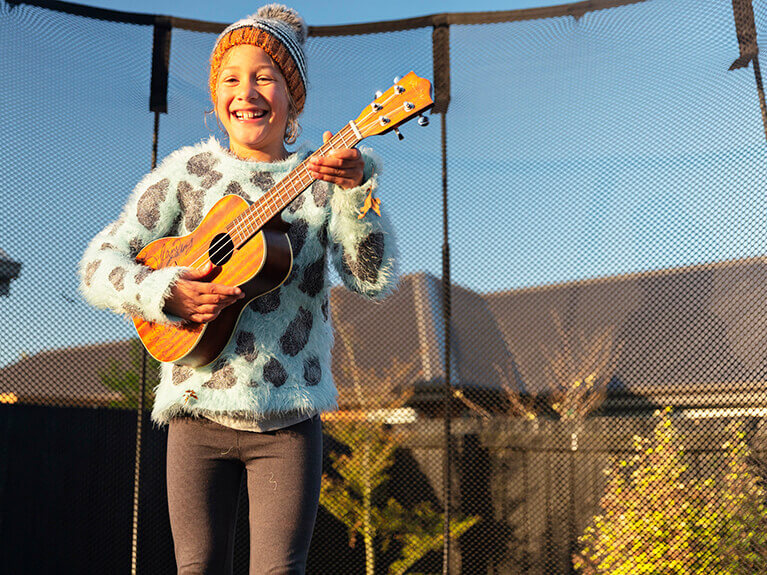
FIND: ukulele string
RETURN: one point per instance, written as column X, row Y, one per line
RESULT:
column 261, row 210
column 222, row 243
column 269, row 196
column 281, row 187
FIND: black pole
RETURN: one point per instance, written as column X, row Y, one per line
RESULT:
column 446, row 318
column 137, row 465
column 571, row 528
column 526, row 490
column 140, row 408
column 441, row 62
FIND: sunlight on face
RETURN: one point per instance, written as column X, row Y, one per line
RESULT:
column 252, row 104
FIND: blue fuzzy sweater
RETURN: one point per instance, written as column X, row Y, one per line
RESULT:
column 278, row 360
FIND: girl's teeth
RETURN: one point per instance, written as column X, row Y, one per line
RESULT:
column 248, row 115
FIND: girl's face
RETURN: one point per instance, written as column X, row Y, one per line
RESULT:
column 252, row 104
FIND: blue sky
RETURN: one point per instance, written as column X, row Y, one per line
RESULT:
column 315, row 12
column 613, row 144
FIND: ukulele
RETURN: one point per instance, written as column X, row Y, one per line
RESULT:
column 249, row 243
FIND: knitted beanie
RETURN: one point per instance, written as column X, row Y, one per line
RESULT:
column 277, row 30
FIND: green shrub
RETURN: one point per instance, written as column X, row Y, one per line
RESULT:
column 125, row 377
column 657, row 518
column 359, row 498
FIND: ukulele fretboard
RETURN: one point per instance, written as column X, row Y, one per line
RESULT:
column 244, row 226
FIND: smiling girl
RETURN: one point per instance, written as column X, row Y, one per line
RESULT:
column 256, row 408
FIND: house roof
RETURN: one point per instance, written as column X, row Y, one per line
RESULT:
column 408, row 327
column 695, row 334
column 692, row 335
column 693, row 330
column 65, row 376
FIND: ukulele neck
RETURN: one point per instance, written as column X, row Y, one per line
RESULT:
column 249, row 222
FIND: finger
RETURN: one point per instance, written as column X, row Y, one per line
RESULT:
column 202, row 317
column 337, row 156
column 216, row 299
column 223, row 289
column 344, row 153
column 345, row 183
column 326, row 137
column 199, row 273
column 344, row 179
column 336, row 162
column 335, row 174
column 327, row 171
column 209, row 308
column 343, row 170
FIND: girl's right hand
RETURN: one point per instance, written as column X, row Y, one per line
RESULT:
column 200, row 301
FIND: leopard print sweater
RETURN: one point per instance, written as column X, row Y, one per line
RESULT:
column 278, row 360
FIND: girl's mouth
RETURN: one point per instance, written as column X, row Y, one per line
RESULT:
column 249, row 115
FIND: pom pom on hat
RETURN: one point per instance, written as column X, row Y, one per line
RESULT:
column 281, row 33
column 287, row 15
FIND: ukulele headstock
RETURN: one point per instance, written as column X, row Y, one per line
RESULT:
column 407, row 98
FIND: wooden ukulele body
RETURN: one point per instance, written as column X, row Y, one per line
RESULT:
column 258, row 266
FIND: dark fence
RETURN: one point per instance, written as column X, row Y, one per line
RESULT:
column 68, row 480
column 585, row 213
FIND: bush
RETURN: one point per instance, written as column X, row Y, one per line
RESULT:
column 658, row 519
column 358, row 496
column 125, row 377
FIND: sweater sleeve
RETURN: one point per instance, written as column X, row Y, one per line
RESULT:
column 110, row 278
column 363, row 249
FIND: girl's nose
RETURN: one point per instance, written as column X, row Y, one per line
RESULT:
column 248, row 91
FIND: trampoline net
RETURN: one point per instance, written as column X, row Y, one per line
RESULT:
column 606, row 331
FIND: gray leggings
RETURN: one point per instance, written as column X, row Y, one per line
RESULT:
column 204, row 471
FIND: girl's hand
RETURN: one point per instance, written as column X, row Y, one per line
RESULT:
column 341, row 166
column 200, row 301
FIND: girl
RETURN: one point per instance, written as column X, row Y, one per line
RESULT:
column 257, row 406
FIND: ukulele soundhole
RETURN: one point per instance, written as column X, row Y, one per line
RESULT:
column 221, row 249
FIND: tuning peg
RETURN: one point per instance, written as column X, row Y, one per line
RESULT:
column 397, row 79
column 400, row 136
column 379, row 93
column 423, row 120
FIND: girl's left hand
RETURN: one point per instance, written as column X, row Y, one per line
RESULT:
column 341, row 166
